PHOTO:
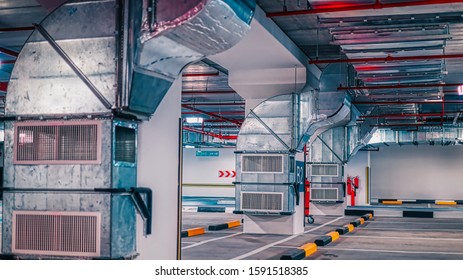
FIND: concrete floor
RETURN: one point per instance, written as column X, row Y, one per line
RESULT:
column 383, row 238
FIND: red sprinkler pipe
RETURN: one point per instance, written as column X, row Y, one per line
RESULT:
column 238, row 123
column 349, row 7
column 215, row 104
column 398, row 86
column 386, row 59
column 219, row 136
column 401, row 115
column 15, row 29
column 406, row 102
column 9, row 52
column 208, row 92
column 3, row 86
column 7, row 62
column 200, row 74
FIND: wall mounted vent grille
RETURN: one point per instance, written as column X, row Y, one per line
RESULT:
column 56, row 233
column 261, row 201
column 262, row 163
column 125, row 144
column 324, row 170
column 71, row 142
column 324, row 194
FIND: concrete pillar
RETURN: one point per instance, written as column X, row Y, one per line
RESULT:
column 158, row 170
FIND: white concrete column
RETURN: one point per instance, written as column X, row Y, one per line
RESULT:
column 158, row 170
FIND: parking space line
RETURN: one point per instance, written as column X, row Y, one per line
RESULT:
column 416, row 223
column 211, row 240
column 397, row 237
column 284, row 240
column 389, row 251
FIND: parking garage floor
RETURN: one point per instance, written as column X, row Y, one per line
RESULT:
column 383, row 238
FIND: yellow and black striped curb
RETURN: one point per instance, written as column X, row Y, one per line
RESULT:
column 193, row 232
column 310, row 248
column 420, row 201
column 225, row 226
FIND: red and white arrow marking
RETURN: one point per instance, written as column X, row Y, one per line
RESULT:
column 227, row 174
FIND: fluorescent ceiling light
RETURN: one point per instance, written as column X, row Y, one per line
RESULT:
column 460, row 90
column 189, row 147
column 194, row 120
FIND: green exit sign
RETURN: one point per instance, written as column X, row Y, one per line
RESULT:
column 207, row 153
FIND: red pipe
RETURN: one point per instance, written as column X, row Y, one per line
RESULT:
column 7, row 62
column 217, row 104
column 238, row 123
column 200, row 74
column 402, row 115
column 385, row 59
column 221, row 113
column 9, row 52
column 406, row 124
column 349, row 7
column 208, row 92
column 406, row 102
column 398, row 86
column 3, row 86
column 13, row 29
column 219, row 136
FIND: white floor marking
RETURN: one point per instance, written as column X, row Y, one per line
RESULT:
column 388, row 251
column 286, row 247
column 189, row 242
column 397, row 237
column 283, row 240
column 210, row 240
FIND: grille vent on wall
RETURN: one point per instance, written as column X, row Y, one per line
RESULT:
column 324, row 170
column 262, row 201
column 71, row 142
column 324, row 194
column 56, row 233
column 262, row 163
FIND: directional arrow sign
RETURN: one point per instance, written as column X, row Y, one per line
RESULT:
column 220, row 173
column 233, row 174
column 228, row 173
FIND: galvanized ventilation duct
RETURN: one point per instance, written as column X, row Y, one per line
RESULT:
column 85, row 73
column 272, row 134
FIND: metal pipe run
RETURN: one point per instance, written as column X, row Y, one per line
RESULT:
column 208, row 92
column 439, row 114
column 15, row 29
column 349, row 7
column 219, row 113
column 398, row 86
column 219, row 136
column 238, row 123
column 386, row 59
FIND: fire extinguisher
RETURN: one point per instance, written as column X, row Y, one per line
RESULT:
column 309, row 217
column 352, row 186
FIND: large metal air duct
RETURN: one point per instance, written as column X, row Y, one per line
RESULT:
column 86, row 76
column 274, row 132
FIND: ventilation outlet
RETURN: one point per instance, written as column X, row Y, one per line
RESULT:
column 125, row 145
column 261, row 201
column 324, row 170
column 71, row 142
column 324, row 194
column 75, row 234
column 262, row 163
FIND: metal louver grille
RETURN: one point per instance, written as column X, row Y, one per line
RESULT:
column 326, row 170
column 125, row 144
column 262, row 163
column 324, row 194
column 57, row 142
column 56, row 233
column 261, row 201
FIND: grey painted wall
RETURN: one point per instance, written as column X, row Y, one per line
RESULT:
column 417, row 172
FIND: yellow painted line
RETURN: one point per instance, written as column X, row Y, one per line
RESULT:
column 371, row 216
column 442, row 202
column 309, row 248
column 195, row 231
column 334, row 235
column 350, row 227
column 392, row 202
column 362, row 221
column 236, row 223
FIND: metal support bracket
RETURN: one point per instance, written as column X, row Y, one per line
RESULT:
column 73, row 66
column 331, row 150
column 269, row 129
